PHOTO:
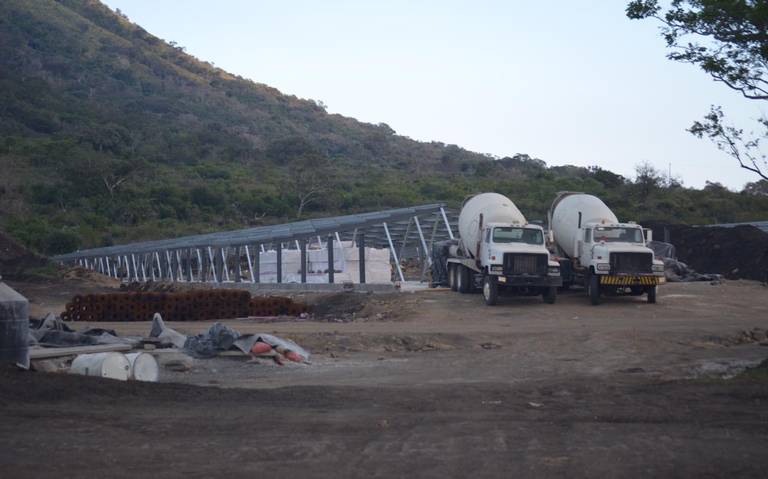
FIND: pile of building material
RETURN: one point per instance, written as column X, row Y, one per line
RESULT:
column 738, row 252
column 346, row 265
column 196, row 305
column 674, row 269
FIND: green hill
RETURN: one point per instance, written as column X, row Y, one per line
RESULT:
column 108, row 134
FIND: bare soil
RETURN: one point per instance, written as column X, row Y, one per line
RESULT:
column 428, row 384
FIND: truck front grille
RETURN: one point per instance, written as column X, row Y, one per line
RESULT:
column 631, row 263
column 525, row 263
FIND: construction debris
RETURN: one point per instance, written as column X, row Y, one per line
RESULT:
column 675, row 270
column 53, row 332
column 220, row 338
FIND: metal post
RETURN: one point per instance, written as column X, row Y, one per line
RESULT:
column 200, row 271
column 190, row 274
column 238, row 265
column 159, row 266
column 213, row 265
column 109, row 270
column 405, row 237
column 394, row 253
column 127, row 268
column 447, row 226
column 423, row 241
column 303, row 245
column 143, row 272
column 179, row 269
column 170, row 265
column 279, row 250
column 361, row 255
column 224, row 265
column 135, row 269
column 330, row 259
column 256, row 266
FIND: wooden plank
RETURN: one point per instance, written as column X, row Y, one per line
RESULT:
column 40, row 353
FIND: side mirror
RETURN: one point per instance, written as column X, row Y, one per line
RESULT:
column 648, row 234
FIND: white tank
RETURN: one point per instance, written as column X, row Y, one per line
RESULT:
column 494, row 207
column 564, row 217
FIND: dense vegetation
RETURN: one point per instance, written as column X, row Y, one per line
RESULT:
column 108, row 134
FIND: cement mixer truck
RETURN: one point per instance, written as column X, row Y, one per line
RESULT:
column 499, row 252
column 600, row 253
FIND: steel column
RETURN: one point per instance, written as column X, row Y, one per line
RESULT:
column 447, row 225
column 361, row 256
column 331, row 267
column 394, row 253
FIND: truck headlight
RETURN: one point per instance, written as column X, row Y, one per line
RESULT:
column 554, row 271
column 658, row 268
column 603, row 266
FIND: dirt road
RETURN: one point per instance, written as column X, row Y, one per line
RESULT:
column 430, row 384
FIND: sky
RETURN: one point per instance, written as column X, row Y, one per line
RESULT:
column 567, row 82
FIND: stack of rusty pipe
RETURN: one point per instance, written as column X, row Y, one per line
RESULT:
column 199, row 305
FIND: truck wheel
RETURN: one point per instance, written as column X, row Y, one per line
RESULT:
column 652, row 294
column 490, row 290
column 463, row 279
column 452, row 276
column 550, row 295
column 594, row 289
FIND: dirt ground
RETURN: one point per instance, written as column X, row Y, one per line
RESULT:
column 429, row 384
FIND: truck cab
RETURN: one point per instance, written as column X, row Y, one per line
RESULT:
column 615, row 258
column 514, row 256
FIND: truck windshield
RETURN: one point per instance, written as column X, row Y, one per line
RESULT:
column 517, row 235
column 615, row 234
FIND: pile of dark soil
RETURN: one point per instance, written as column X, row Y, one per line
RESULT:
column 740, row 252
column 15, row 259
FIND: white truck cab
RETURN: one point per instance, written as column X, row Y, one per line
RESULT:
column 500, row 239
column 602, row 243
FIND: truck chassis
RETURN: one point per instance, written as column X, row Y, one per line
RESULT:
column 465, row 276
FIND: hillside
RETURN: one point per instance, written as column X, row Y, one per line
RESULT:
column 108, row 134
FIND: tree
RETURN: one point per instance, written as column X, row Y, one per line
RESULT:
column 647, row 178
column 757, row 188
column 310, row 176
column 728, row 39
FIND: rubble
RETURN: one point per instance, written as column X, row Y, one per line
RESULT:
column 220, row 338
column 675, row 270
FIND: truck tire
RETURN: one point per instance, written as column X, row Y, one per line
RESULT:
column 463, row 278
column 594, row 289
column 550, row 295
column 490, row 290
column 452, row 276
column 652, row 295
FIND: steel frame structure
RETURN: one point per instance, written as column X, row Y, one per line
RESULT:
column 233, row 256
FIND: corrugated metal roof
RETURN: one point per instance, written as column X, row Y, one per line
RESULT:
column 271, row 234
